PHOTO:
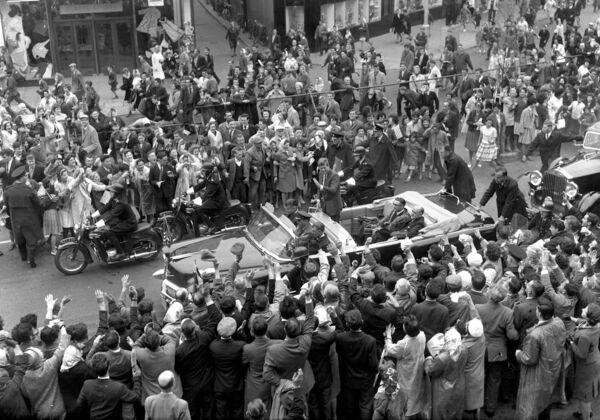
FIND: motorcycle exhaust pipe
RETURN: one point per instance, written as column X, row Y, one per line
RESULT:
column 142, row 255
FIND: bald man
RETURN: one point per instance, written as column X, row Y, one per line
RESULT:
column 166, row 405
column 417, row 222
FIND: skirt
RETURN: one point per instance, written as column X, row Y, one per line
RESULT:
column 66, row 218
column 472, row 141
column 486, row 152
column 51, row 222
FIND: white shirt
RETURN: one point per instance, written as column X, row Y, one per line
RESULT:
column 554, row 104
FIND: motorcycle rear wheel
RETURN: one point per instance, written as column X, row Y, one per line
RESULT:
column 70, row 260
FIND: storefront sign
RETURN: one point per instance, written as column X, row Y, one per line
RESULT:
column 156, row 3
column 81, row 9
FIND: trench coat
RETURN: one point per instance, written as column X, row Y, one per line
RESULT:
column 474, row 371
column 413, row 383
column 541, row 365
column 23, row 207
column 447, row 385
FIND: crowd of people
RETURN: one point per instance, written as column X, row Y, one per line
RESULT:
column 441, row 337
column 444, row 337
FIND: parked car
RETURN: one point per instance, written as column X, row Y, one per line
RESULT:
column 273, row 236
column 570, row 179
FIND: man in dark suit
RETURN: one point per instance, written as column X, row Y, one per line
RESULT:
column 7, row 166
column 36, row 172
column 247, row 129
column 274, row 41
column 358, row 359
column 236, row 168
column 509, row 199
column 189, row 98
column 363, row 172
column 397, row 220
column 329, row 186
column 284, row 359
column 227, row 356
column 194, row 366
column 105, row 170
column 417, row 222
column 102, row 398
column 459, row 178
column 22, row 206
column 549, row 143
column 228, row 127
column 162, row 178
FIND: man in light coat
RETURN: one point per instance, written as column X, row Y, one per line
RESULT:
column 89, row 138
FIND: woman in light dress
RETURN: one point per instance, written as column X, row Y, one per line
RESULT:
column 488, row 144
column 157, row 60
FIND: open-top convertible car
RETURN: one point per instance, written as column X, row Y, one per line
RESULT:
column 273, row 236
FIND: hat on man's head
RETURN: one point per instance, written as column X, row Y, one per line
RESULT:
column 321, row 124
column 359, row 150
column 72, row 65
column 547, row 205
column 256, row 140
column 337, row 133
column 18, row 172
column 516, row 252
column 475, row 328
column 454, row 280
column 226, row 327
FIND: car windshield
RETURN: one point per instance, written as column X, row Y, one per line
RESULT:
column 592, row 140
column 268, row 232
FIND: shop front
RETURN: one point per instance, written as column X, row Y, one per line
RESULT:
column 45, row 36
column 357, row 15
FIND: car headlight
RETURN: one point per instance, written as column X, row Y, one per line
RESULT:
column 571, row 190
column 535, row 178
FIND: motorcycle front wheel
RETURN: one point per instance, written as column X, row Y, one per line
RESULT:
column 172, row 230
column 70, row 260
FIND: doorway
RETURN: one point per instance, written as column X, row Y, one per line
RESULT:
column 94, row 44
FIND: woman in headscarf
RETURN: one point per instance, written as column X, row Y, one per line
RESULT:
column 445, row 366
column 473, row 343
column 587, row 360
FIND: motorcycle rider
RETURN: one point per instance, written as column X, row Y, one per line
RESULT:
column 214, row 198
column 119, row 217
column 364, row 174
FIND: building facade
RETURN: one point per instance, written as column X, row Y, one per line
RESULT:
column 44, row 36
column 376, row 15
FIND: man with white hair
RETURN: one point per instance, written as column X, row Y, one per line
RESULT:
column 166, row 405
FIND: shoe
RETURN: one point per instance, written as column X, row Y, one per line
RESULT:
column 118, row 257
column 32, row 264
column 12, row 246
column 523, row 159
column 53, row 252
column 407, row 179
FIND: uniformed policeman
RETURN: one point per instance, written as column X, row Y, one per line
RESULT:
column 214, row 197
column 363, row 172
column 119, row 217
column 23, row 207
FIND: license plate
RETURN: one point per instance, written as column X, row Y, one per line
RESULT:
column 65, row 241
